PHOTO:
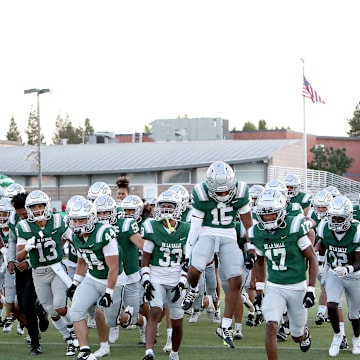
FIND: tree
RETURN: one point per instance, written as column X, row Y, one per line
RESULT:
column 329, row 159
column 355, row 122
column 249, row 126
column 32, row 130
column 262, row 125
column 64, row 129
column 147, row 129
column 13, row 133
column 88, row 130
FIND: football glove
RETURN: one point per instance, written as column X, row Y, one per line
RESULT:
column 343, row 270
column 106, row 300
column 309, row 298
column 250, row 261
column 30, row 244
column 70, row 291
column 148, row 286
column 177, row 290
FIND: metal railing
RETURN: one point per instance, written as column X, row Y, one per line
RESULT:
column 318, row 180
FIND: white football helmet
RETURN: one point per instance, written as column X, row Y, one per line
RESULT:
column 133, row 202
column 184, row 195
column 82, row 209
column 277, row 185
column 2, row 192
column 168, row 197
column 34, row 198
column 254, row 192
column 69, row 203
column 321, row 199
column 271, row 201
column 98, row 188
column 5, row 211
column 14, row 189
column 340, row 214
column 220, row 178
column 293, row 182
column 105, row 203
column 333, row 190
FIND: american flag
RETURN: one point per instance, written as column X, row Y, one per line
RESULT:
column 309, row 92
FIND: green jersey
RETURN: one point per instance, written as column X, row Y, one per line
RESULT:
column 91, row 250
column 356, row 212
column 220, row 215
column 167, row 250
column 302, row 198
column 339, row 252
column 285, row 261
column 127, row 227
column 48, row 240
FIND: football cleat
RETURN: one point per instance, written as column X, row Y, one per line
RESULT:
column 237, row 334
column 70, row 348
column 36, row 350
column 226, row 335
column 168, row 346
column 190, row 297
column 8, row 325
column 102, row 352
column 344, row 343
column 306, row 343
column 194, row 318
column 248, row 304
column 335, row 345
column 283, row 332
column 250, row 321
column 113, row 334
column 319, row 319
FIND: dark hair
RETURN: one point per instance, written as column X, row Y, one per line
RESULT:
column 123, row 182
column 18, row 201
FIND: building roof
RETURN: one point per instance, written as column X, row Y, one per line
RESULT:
column 135, row 157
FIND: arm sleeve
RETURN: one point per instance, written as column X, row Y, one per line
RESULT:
column 148, row 246
column 11, row 253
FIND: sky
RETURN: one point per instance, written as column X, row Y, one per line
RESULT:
column 123, row 64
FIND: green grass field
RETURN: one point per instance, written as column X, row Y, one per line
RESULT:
column 199, row 342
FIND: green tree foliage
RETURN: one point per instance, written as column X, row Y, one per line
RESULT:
column 354, row 122
column 88, row 130
column 329, row 159
column 249, row 126
column 147, row 129
column 262, row 125
column 13, row 133
column 64, row 130
column 32, row 129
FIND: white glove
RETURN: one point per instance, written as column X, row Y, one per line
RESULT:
column 343, row 270
column 30, row 244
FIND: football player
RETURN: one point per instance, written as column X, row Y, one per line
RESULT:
column 216, row 204
column 339, row 235
column 163, row 278
column 283, row 243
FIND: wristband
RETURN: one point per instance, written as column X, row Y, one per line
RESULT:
column 109, row 291
column 77, row 279
column 144, row 270
column 248, row 246
column 311, row 289
column 321, row 258
column 350, row 269
column 260, row 285
column 183, row 279
column 145, row 277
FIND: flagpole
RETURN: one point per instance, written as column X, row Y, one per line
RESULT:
column 304, row 134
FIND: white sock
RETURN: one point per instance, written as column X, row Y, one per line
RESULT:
column 226, row 323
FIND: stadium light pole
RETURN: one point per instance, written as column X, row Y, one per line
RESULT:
column 38, row 93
